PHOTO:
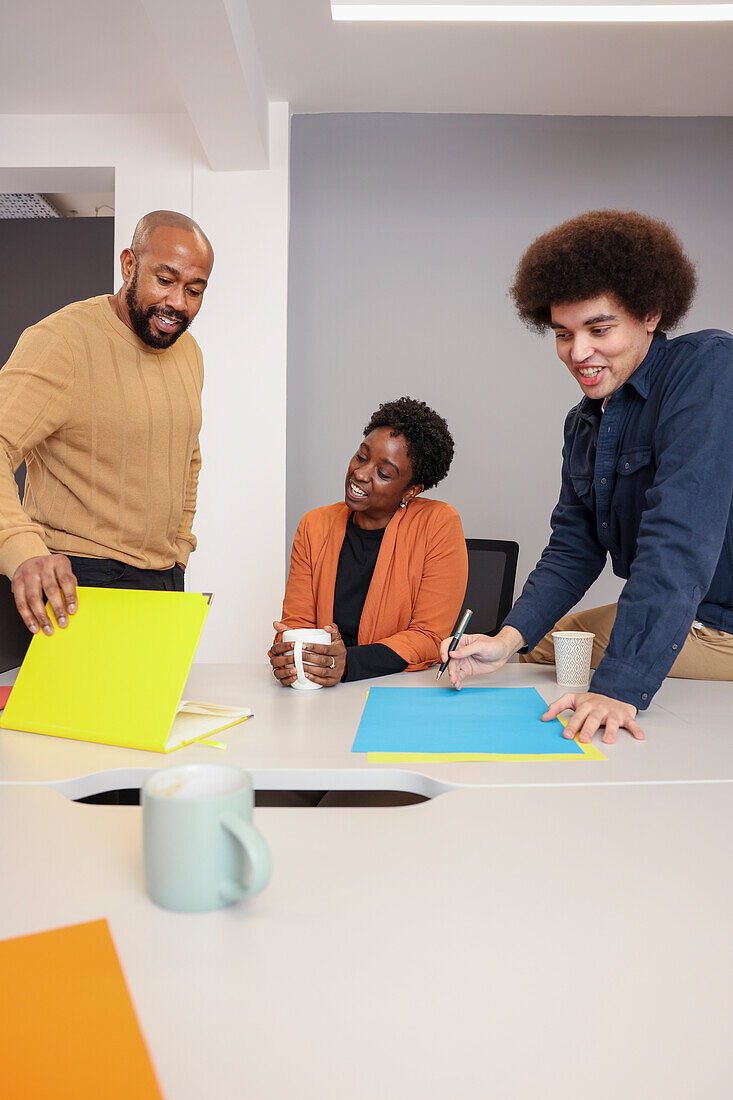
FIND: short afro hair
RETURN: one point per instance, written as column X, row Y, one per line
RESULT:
column 637, row 259
column 429, row 442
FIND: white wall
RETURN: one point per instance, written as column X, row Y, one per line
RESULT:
column 242, row 330
column 158, row 164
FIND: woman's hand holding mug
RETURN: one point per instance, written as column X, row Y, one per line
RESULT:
column 308, row 658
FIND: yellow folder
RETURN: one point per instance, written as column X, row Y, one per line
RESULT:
column 116, row 674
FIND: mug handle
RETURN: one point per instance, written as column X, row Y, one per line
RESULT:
column 256, row 850
column 298, row 658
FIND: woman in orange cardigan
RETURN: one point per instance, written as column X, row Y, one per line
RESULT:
column 385, row 571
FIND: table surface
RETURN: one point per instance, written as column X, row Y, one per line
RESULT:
column 513, row 943
column 302, row 740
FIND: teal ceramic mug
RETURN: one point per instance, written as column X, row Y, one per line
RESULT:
column 200, row 847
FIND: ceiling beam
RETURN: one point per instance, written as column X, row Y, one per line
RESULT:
column 210, row 47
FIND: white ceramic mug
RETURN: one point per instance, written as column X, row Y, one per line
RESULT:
column 200, row 847
column 298, row 637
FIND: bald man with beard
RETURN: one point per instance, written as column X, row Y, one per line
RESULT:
column 103, row 402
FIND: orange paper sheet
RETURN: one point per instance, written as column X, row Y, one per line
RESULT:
column 4, row 693
column 67, row 1025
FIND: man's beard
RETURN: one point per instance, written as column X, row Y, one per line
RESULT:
column 141, row 319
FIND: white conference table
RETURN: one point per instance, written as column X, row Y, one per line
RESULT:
column 703, row 704
column 302, row 740
column 508, row 943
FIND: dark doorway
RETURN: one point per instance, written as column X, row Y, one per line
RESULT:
column 47, row 263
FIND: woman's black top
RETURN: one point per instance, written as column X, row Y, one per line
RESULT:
column 358, row 557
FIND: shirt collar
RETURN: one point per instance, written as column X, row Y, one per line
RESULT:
column 590, row 409
column 640, row 379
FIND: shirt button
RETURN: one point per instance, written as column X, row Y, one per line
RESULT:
column 644, row 695
column 603, row 481
column 626, row 465
column 604, row 524
column 674, row 647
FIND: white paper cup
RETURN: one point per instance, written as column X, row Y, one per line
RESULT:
column 299, row 637
column 573, row 650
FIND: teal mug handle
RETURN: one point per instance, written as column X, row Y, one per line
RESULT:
column 256, row 851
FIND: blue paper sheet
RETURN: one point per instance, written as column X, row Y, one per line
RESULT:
column 482, row 720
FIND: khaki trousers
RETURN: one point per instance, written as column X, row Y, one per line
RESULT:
column 706, row 655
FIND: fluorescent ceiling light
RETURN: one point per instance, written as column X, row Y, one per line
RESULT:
column 341, row 10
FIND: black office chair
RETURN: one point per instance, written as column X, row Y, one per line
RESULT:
column 492, row 568
column 14, row 635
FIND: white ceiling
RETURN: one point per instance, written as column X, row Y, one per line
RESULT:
column 631, row 69
column 89, row 57
column 82, row 57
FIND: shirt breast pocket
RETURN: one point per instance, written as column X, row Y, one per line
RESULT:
column 635, row 472
column 581, row 479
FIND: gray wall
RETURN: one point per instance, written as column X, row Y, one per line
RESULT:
column 405, row 233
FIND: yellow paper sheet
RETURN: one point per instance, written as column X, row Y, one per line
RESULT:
column 587, row 752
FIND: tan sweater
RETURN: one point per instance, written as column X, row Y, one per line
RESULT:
column 109, row 429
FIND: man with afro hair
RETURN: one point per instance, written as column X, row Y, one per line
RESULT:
column 647, row 472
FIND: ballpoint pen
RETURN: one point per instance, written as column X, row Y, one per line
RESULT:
column 456, row 639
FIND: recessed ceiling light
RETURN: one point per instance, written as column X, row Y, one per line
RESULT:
column 341, row 10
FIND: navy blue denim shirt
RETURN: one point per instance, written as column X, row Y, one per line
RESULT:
column 650, row 482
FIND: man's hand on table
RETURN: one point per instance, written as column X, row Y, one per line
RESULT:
column 52, row 574
column 477, row 654
column 593, row 711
